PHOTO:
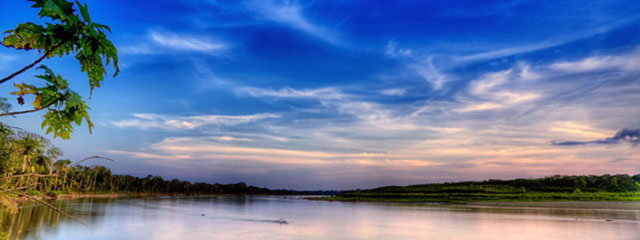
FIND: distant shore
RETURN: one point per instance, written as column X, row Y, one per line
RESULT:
column 617, row 205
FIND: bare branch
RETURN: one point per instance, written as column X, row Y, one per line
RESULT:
column 92, row 157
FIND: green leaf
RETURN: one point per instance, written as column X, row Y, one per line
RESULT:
column 84, row 12
column 54, row 9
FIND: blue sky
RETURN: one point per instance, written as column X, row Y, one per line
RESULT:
column 355, row 94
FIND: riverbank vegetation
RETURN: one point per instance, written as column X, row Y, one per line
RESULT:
column 620, row 187
column 31, row 166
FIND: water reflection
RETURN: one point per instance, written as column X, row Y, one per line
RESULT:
column 234, row 217
column 33, row 219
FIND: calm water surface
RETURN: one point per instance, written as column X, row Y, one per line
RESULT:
column 232, row 217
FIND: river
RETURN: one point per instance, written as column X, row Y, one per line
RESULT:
column 277, row 217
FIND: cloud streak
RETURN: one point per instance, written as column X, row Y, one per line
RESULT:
column 176, row 123
column 183, row 42
column 624, row 136
column 164, row 41
column 291, row 14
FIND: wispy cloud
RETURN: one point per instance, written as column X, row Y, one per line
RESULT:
column 324, row 93
column 204, row 148
column 177, row 123
column 579, row 130
column 164, row 41
column 540, row 45
column 424, row 63
column 394, row 51
column 491, row 95
column 427, row 70
column 606, row 62
column 624, row 136
column 291, row 14
column 184, row 42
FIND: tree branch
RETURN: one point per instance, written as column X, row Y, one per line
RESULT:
column 28, row 111
column 92, row 157
column 46, row 55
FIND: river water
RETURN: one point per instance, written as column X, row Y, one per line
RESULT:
column 275, row 217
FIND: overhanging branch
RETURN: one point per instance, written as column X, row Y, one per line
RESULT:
column 46, row 55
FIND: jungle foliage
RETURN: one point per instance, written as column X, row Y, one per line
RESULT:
column 32, row 166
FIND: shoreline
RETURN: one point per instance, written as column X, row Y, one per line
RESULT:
column 560, row 204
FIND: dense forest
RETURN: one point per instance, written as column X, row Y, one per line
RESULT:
column 605, row 187
column 30, row 165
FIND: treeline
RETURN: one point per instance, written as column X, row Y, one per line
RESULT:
column 557, row 183
column 99, row 179
column 582, row 188
column 31, row 165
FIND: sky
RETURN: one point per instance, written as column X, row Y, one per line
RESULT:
column 355, row 94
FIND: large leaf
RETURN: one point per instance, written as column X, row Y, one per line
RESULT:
column 54, row 9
